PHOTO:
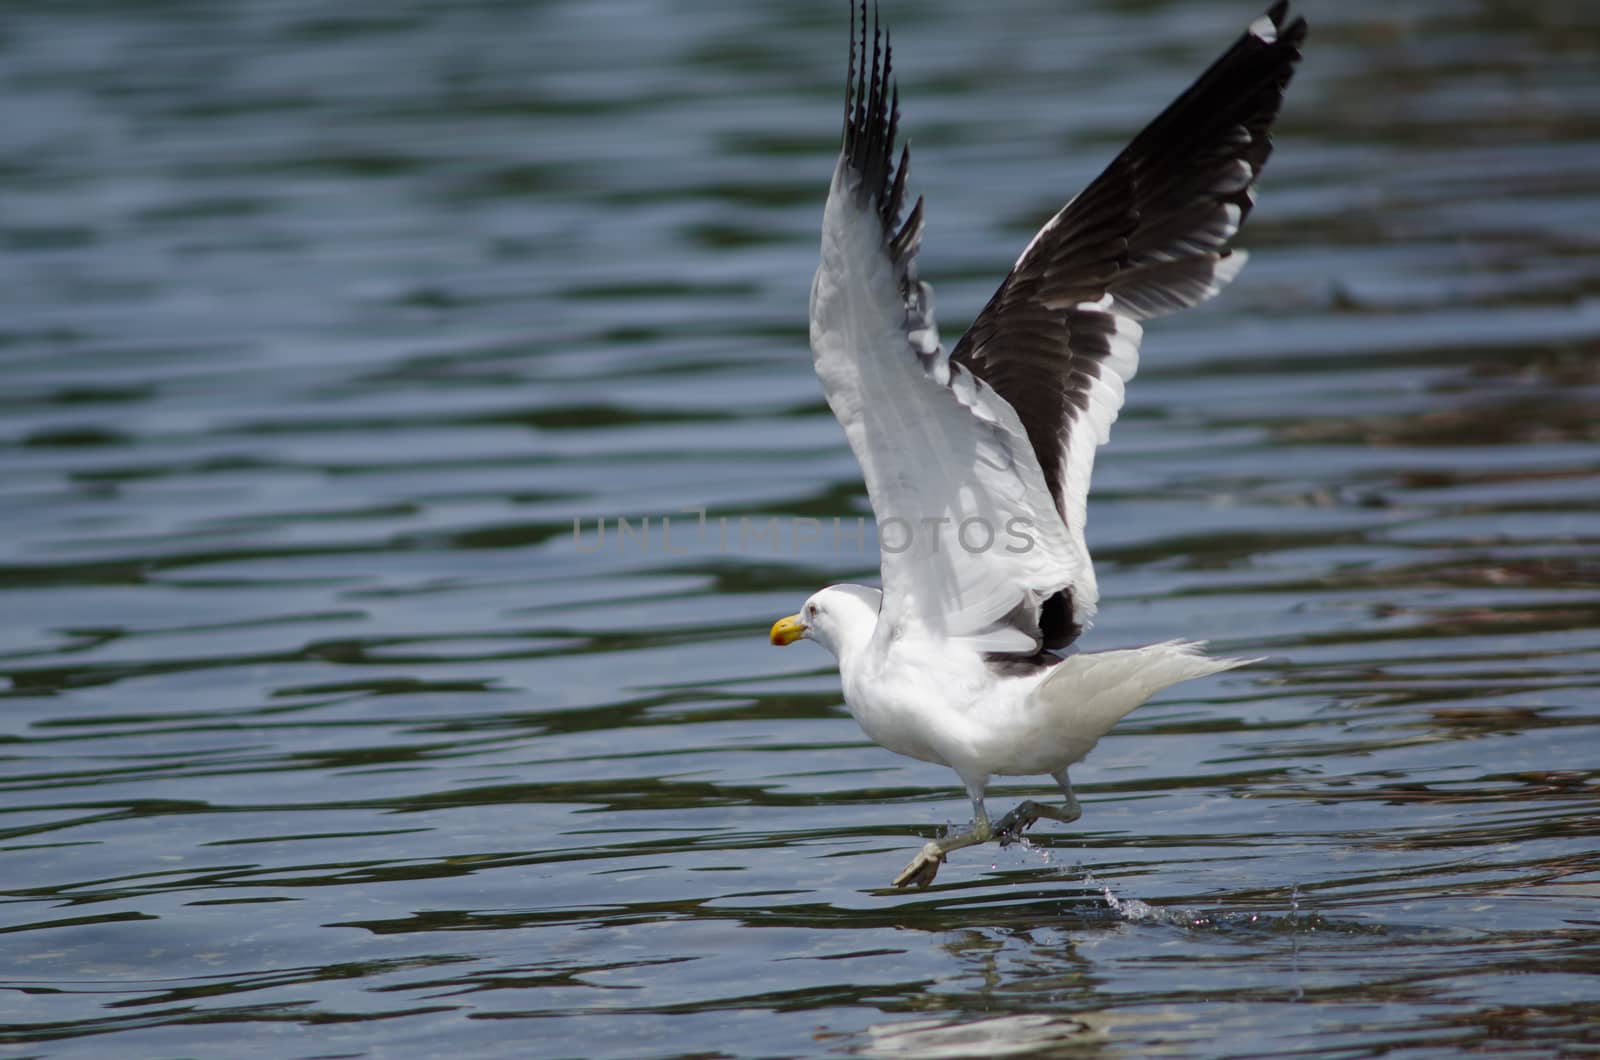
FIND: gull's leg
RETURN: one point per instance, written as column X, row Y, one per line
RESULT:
column 1010, row 827
column 925, row 866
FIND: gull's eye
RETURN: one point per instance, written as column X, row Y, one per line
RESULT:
column 811, row 612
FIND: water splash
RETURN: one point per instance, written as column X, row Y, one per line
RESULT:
column 1136, row 910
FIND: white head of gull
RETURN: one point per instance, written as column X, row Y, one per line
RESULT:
column 980, row 457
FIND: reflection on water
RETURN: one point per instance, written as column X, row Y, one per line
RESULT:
column 325, row 326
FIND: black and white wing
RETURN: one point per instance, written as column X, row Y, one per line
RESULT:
column 977, row 462
column 971, row 542
column 1149, row 236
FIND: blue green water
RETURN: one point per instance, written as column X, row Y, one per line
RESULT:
column 322, row 735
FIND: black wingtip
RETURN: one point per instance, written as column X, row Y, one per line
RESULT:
column 872, row 123
column 1292, row 34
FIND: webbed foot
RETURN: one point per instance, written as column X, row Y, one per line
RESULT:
column 923, row 868
column 1009, row 828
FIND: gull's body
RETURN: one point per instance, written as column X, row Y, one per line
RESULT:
column 918, row 698
column 979, row 459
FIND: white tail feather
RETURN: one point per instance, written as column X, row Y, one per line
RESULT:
column 1088, row 694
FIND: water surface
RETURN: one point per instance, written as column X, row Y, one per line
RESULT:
column 323, row 734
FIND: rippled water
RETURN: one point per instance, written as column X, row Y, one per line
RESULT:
column 323, row 734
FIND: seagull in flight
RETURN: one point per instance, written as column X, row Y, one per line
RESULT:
column 977, row 459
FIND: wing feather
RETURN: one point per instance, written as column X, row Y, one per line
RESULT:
column 971, row 542
column 1001, row 433
column 1059, row 340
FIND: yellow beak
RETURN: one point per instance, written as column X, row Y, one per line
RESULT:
column 788, row 630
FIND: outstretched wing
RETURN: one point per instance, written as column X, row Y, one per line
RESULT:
column 972, row 543
column 1150, row 235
